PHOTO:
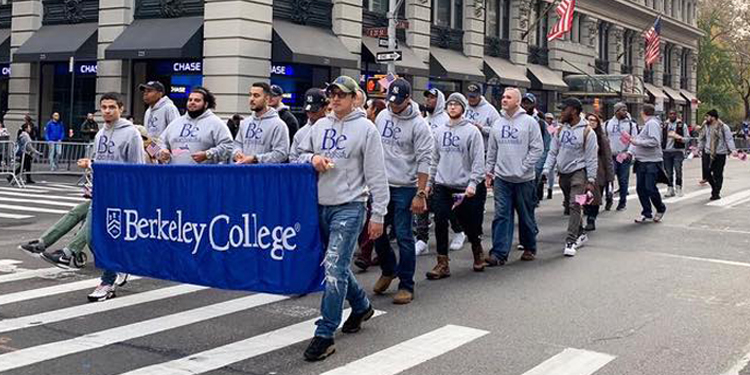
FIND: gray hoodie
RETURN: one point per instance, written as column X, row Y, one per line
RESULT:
column 186, row 136
column 458, row 157
column 648, row 148
column 438, row 116
column 160, row 116
column 722, row 147
column 614, row 128
column 353, row 144
column 266, row 137
column 119, row 143
column 514, row 147
column 483, row 115
column 407, row 145
column 568, row 154
column 298, row 137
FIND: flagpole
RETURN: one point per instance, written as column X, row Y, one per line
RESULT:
column 526, row 33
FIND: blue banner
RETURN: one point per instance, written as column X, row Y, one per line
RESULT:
column 252, row 228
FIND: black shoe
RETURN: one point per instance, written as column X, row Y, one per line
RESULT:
column 590, row 227
column 715, row 197
column 621, row 207
column 549, row 193
column 566, row 211
column 354, row 323
column 608, row 205
column 33, row 248
column 10, row 179
column 59, row 259
column 319, row 349
column 30, row 181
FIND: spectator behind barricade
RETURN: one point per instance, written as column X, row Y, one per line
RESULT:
column 24, row 152
column 54, row 133
column 374, row 107
column 277, row 94
column 89, row 128
column 34, row 134
column 234, row 124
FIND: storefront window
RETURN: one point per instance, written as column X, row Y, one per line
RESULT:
column 296, row 79
column 73, row 98
column 447, row 87
column 177, row 76
column 449, row 13
column 4, row 78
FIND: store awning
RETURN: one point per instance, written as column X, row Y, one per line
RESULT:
column 689, row 96
column 655, row 91
column 450, row 64
column 506, row 72
column 298, row 44
column 674, row 95
column 159, row 38
column 59, row 43
column 615, row 85
column 410, row 63
column 546, row 78
column 4, row 45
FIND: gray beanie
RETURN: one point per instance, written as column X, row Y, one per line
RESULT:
column 458, row 98
column 620, row 105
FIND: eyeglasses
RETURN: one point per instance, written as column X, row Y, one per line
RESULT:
column 337, row 94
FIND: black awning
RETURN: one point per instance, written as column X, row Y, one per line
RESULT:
column 450, row 64
column 60, row 43
column 4, row 45
column 159, row 38
column 300, row 44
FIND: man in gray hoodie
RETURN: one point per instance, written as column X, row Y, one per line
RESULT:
column 346, row 150
column 263, row 137
column 645, row 148
column 615, row 127
column 407, row 148
column 199, row 136
column 514, row 148
column 574, row 151
column 161, row 110
column 456, row 183
column 715, row 141
column 434, row 102
column 315, row 109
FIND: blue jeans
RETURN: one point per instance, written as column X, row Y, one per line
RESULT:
column 622, row 171
column 339, row 228
column 509, row 198
column 400, row 216
column 54, row 152
column 648, row 193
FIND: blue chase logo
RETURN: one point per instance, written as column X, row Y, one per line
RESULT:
column 114, row 222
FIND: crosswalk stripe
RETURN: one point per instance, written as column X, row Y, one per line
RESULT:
column 41, row 353
column 32, row 209
column 730, row 200
column 14, row 216
column 93, row 308
column 51, row 290
column 572, row 362
column 37, row 201
column 42, row 196
column 685, row 197
column 216, row 358
column 30, row 274
column 411, row 353
column 72, row 188
column 24, row 190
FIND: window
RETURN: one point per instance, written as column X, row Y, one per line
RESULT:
column 448, row 13
column 627, row 54
column 497, row 22
column 379, row 6
column 603, row 47
column 539, row 34
column 576, row 33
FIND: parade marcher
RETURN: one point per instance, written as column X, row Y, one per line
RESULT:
column 374, row 107
column 234, row 124
column 315, row 109
column 617, row 125
column 715, row 142
column 514, row 149
column 407, row 149
column 673, row 146
column 456, row 183
column 263, row 137
column 646, row 150
column 574, row 153
column 161, row 110
column 552, row 127
column 54, row 133
column 605, row 174
column 24, row 153
column 198, row 136
column 89, row 128
column 286, row 115
column 528, row 103
column 346, row 150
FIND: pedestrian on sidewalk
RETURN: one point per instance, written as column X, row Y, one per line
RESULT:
column 673, row 137
column 407, row 149
column 24, row 154
column 552, row 127
column 456, row 183
column 646, row 150
column 89, row 128
column 716, row 142
column 515, row 147
column 574, row 152
column 605, row 174
column 615, row 127
column 161, row 110
column 54, row 133
column 263, row 136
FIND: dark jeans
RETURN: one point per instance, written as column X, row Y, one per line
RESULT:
column 715, row 169
column 509, row 198
column 400, row 216
column 573, row 184
column 673, row 165
column 25, row 164
column 648, row 193
column 622, row 171
column 422, row 223
column 469, row 214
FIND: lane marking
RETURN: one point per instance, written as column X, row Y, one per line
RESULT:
column 727, row 201
column 14, row 216
column 42, row 196
column 52, row 290
column 37, row 201
column 687, row 196
column 572, row 362
column 708, row 260
column 23, row 274
column 32, row 209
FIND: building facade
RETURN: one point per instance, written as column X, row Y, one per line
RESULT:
column 58, row 55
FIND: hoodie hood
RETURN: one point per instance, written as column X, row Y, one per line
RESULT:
column 519, row 112
column 408, row 113
column 462, row 122
column 354, row 115
column 165, row 100
column 440, row 105
column 121, row 123
column 270, row 113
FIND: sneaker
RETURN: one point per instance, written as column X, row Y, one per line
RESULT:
column 715, row 198
column 528, row 256
column 102, row 292
column 520, row 247
column 570, row 250
column 621, row 207
column 608, row 205
column 566, row 211
column 421, row 248
column 549, row 194
column 354, row 323
column 122, row 279
column 644, row 219
column 582, row 240
column 362, row 263
column 670, row 192
column 59, row 259
column 590, row 226
column 458, row 241
column 702, row 182
column 33, row 248
column 659, row 216
column 678, row 190
column 319, row 349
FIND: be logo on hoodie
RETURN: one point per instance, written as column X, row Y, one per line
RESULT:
column 153, row 123
column 569, row 140
column 188, row 133
column 451, row 142
column 472, row 115
column 509, row 135
column 105, row 146
column 390, row 134
column 333, row 145
column 253, row 133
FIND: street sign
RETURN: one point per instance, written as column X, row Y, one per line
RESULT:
column 376, row 32
column 388, row 56
column 383, row 42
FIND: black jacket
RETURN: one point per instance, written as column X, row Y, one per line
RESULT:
column 291, row 122
column 680, row 130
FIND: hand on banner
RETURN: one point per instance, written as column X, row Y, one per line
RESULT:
column 488, row 180
column 84, row 163
column 164, row 155
column 625, row 138
column 200, row 157
column 322, row 163
column 238, row 157
column 251, row 159
column 470, row 191
column 375, row 230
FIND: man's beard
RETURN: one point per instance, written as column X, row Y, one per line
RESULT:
column 455, row 117
column 196, row 114
column 429, row 110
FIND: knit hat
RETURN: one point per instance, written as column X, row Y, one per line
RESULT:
column 458, row 98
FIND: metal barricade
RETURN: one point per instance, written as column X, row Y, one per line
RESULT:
column 8, row 162
column 57, row 158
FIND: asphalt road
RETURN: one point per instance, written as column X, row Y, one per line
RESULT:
column 662, row 299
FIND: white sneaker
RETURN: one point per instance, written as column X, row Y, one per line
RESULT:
column 679, row 191
column 458, row 241
column 670, row 192
column 421, row 248
column 570, row 250
column 520, row 247
column 581, row 241
column 102, row 292
column 122, row 279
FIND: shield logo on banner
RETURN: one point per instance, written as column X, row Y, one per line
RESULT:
column 114, row 221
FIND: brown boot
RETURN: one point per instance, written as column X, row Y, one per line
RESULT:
column 441, row 269
column 478, row 257
column 403, row 297
column 382, row 284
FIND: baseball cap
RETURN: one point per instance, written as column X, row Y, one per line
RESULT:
column 433, row 91
column 530, row 97
column 549, row 115
column 152, row 85
column 315, row 99
column 276, row 90
column 474, row 90
column 571, row 102
column 344, row 83
column 399, row 91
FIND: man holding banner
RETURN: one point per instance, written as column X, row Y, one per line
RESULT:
column 346, row 150
column 263, row 137
column 315, row 109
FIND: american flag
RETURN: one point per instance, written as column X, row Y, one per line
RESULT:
column 565, row 11
column 653, row 41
